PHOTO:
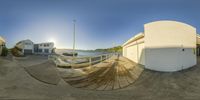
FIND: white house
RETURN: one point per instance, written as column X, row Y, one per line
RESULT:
column 44, row 48
column 2, row 44
column 28, row 47
column 163, row 46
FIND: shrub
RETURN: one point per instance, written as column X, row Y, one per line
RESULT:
column 4, row 51
column 17, row 52
column 19, row 49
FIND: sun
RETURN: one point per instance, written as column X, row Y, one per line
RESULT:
column 52, row 40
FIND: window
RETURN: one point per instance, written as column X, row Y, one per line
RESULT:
column 46, row 50
column 28, row 43
column 39, row 50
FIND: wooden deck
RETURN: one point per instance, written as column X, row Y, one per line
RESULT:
column 108, row 75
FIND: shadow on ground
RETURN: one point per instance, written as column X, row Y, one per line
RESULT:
column 17, row 84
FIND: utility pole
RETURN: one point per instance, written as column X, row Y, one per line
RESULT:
column 74, row 21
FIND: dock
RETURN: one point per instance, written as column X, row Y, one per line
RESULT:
column 114, row 73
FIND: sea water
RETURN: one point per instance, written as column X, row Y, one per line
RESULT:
column 81, row 53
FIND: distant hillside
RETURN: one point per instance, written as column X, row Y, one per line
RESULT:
column 113, row 49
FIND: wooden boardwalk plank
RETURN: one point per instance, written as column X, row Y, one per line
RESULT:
column 114, row 74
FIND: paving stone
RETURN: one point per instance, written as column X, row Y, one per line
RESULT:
column 45, row 72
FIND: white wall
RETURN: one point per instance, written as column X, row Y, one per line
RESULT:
column 135, row 51
column 50, row 47
column 132, row 53
column 164, row 44
column 141, row 53
column 28, row 47
column 124, row 51
column 26, row 44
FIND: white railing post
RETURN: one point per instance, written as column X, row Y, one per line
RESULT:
column 90, row 61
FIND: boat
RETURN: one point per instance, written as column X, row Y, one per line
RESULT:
column 70, row 54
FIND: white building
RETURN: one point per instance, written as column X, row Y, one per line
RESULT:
column 2, row 44
column 44, row 48
column 28, row 47
column 163, row 46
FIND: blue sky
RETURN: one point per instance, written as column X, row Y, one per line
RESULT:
column 100, row 23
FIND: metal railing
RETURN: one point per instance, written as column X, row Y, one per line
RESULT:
column 78, row 62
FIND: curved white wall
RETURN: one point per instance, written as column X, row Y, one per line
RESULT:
column 169, row 46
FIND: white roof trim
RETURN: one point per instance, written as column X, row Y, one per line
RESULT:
column 136, row 37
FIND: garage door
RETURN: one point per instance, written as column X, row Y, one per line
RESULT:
column 27, row 52
column 136, row 53
column 132, row 53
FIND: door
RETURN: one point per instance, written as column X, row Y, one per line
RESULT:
column 27, row 52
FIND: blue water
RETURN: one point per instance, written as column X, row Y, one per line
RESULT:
column 81, row 53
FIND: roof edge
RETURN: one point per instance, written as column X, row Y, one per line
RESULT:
column 134, row 38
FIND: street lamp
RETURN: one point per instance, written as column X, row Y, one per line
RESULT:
column 74, row 21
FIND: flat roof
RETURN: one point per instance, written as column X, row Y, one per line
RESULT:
column 45, row 43
column 141, row 35
column 134, row 38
